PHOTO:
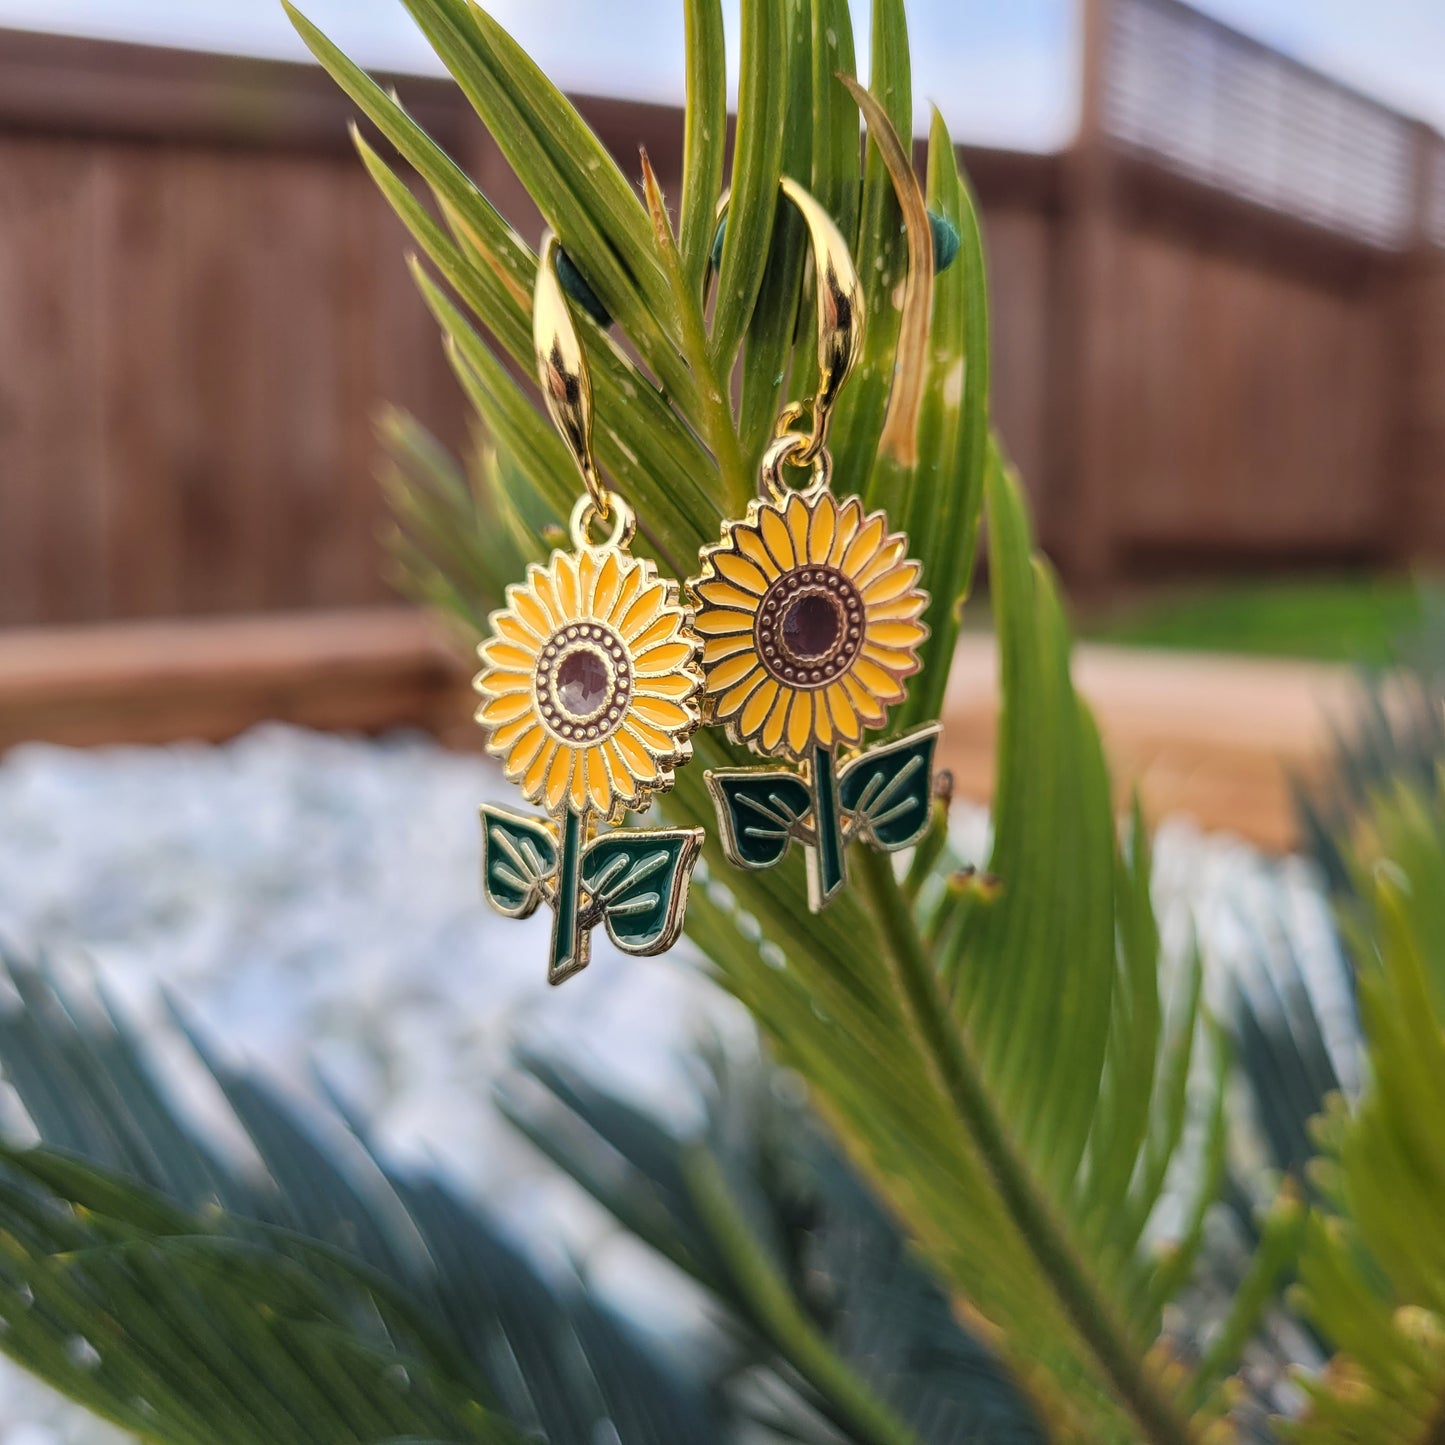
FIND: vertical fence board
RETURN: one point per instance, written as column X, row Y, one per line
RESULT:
column 203, row 304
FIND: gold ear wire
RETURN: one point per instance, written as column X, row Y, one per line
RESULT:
column 562, row 371
column 840, row 313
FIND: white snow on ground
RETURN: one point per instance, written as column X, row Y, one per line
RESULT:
column 313, row 900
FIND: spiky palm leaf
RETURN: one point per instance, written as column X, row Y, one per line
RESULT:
column 1373, row 1272
column 302, row 1291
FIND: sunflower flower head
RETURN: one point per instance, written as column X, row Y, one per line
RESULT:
column 590, row 683
column 810, row 614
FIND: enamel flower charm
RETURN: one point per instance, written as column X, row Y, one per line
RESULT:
column 589, row 695
column 811, row 617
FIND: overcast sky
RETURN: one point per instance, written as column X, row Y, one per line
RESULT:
column 1004, row 72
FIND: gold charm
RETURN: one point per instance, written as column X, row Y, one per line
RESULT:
column 589, row 688
column 810, row 613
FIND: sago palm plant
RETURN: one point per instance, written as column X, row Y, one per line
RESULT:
column 968, row 1242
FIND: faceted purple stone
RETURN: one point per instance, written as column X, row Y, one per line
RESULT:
column 582, row 683
column 812, row 625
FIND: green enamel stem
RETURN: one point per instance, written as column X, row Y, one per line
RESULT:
column 828, row 825
column 569, row 939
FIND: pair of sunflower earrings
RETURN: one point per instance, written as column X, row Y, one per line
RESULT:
column 797, row 636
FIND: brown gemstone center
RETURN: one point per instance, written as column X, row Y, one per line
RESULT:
column 812, row 625
column 584, row 683
column 581, row 682
column 809, row 628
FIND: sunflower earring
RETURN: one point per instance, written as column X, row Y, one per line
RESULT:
column 810, row 615
column 589, row 688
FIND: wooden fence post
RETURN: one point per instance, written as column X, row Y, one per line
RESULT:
column 1417, row 315
column 1079, row 387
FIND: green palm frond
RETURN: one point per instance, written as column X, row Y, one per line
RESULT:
column 308, row 1293
column 1002, row 1064
column 1373, row 1272
column 762, row 1212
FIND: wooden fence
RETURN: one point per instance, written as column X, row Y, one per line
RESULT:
column 202, row 304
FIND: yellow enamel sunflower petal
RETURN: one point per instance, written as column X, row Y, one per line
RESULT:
column 534, row 780
column 901, row 609
column 864, row 545
column 880, row 681
column 569, row 589
column 777, row 720
column 755, row 711
column 660, row 712
column 508, row 626
column 640, row 616
column 606, row 586
column 721, row 593
column 846, row 722
column 624, row 780
column 731, row 671
column 559, row 778
column 524, row 751
column 775, row 537
column 663, row 630
column 577, row 784
column 498, row 710
column 748, row 542
column 850, row 518
column 662, row 657
column 544, row 588
column 633, row 580
column 799, row 522
column 897, row 635
column 716, row 621
column 588, row 568
column 599, row 789
column 507, row 656
column 677, row 685
column 506, row 735
column 733, row 699
column 526, row 604
column 496, row 683
column 889, row 555
column 870, row 708
column 800, row 722
column 822, row 721
column 892, row 584
column 740, row 572
column 634, row 757
column 656, row 740
column 714, row 649
column 900, row 664
column 823, row 528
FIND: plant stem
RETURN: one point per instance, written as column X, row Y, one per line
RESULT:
column 842, row 1397
column 570, row 941
column 1080, row 1298
column 717, row 426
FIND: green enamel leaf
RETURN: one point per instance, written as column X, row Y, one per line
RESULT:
column 759, row 814
column 519, row 855
column 637, row 880
column 889, row 789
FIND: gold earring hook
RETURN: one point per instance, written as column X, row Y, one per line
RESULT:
column 562, row 372
column 840, row 312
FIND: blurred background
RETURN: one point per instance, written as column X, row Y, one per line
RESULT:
column 234, row 764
